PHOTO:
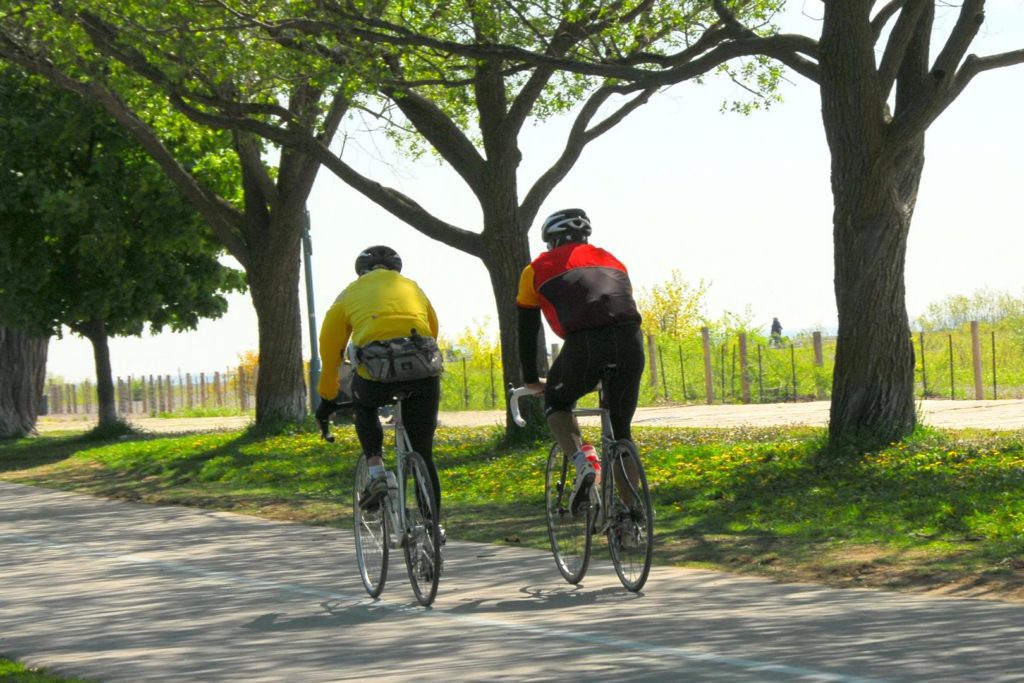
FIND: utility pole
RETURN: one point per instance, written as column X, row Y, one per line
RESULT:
column 314, row 351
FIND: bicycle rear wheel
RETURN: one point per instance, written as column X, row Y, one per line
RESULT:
column 371, row 532
column 631, row 517
column 570, row 534
column 423, row 539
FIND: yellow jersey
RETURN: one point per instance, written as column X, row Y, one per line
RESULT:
column 381, row 304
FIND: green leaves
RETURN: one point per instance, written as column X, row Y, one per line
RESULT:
column 92, row 228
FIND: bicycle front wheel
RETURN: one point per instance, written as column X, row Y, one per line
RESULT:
column 569, row 532
column 371, row 532
column 422, row 541
column 631, row 517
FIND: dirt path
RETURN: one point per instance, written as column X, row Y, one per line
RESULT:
column 1002, row 415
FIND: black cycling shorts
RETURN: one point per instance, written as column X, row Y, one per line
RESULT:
column 581, row 362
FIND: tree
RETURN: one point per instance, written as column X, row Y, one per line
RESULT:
column 674, row 308
column 881, row 89
column 462, row 81
column 22, row 374
column 260, row 220
column 94, row 235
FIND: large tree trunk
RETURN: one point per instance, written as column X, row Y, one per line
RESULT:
column 96, row 332
column 873, row 381
column 22, row 378
column 274, row 286
column 874, row 188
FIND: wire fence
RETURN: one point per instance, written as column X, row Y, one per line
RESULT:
column 978, row 361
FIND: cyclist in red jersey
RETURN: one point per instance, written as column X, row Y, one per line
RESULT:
column 586, row 296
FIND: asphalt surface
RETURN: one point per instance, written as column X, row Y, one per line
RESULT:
column 118, row 591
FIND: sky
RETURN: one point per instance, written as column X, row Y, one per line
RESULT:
column 742, row 203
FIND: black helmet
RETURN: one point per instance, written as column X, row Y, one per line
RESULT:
column 567, row 225
column 378, row 257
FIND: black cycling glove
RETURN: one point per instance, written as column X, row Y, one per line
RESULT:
column 325, row 409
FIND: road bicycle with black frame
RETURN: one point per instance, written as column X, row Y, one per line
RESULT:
column 619, row 507
column 406, row 518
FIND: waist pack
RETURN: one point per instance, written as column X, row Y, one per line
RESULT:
column 402, row 359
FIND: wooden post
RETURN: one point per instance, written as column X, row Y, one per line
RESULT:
column 661, row 364
column 145, row 395
column 979, row 390
column 217, row 389
column 188, row 390
column 995, row 385
column 760, row 377
column 744, row 369
column 682, row 371
column 120, row 395
column 792, row 356
column 202, row 389
column 652, row 354
column 709, row 380
column 87, row 396
column 819, row 362
column 241, row 388
column 924, row 369
column 952, row 380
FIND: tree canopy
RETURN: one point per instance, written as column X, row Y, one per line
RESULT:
column 92, row 234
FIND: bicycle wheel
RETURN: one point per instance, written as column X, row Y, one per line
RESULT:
column 371, row 532
column 569, row 533
column 631, row 517
column 423, row 538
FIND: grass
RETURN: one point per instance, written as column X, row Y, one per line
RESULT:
column 942, row 510
column 13, row 672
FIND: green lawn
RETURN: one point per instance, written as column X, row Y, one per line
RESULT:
column 13, row 672
column 942, row 509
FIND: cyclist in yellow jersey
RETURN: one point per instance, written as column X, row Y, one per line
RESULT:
column 381, row 305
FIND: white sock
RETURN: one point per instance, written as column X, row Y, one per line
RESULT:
column 376, row 470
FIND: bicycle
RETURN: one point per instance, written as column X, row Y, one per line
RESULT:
column 406, row 518
column 620, row 507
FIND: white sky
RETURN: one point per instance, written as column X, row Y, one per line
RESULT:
column 742, row 203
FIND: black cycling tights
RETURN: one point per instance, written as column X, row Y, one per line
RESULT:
column 419, row 414
column 578, row 367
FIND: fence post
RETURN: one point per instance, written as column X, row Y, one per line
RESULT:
column 722, row 373
column 924, row 370
column 170, row 394
column 744, row 369
column 661, row 363
column 188, row 388
column 465, row 385
column 792, row 356
column 979, row 391
column 819, row 362
column 995, row 385
column 760, row 376
column 682, row 371
column 709, row 382
column 494, row 394
column 952, row 380
column 652, row 353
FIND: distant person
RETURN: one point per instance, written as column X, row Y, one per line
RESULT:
column 776, row 338
column 380, row 311
column 587, row 298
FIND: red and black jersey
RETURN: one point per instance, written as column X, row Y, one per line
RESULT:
column 578, row 286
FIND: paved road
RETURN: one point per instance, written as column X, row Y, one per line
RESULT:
column 120, row 591
column 1002, row 414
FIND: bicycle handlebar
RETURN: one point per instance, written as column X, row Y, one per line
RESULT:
column 513, row 402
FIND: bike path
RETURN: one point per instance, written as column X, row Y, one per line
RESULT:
column 119, row 591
